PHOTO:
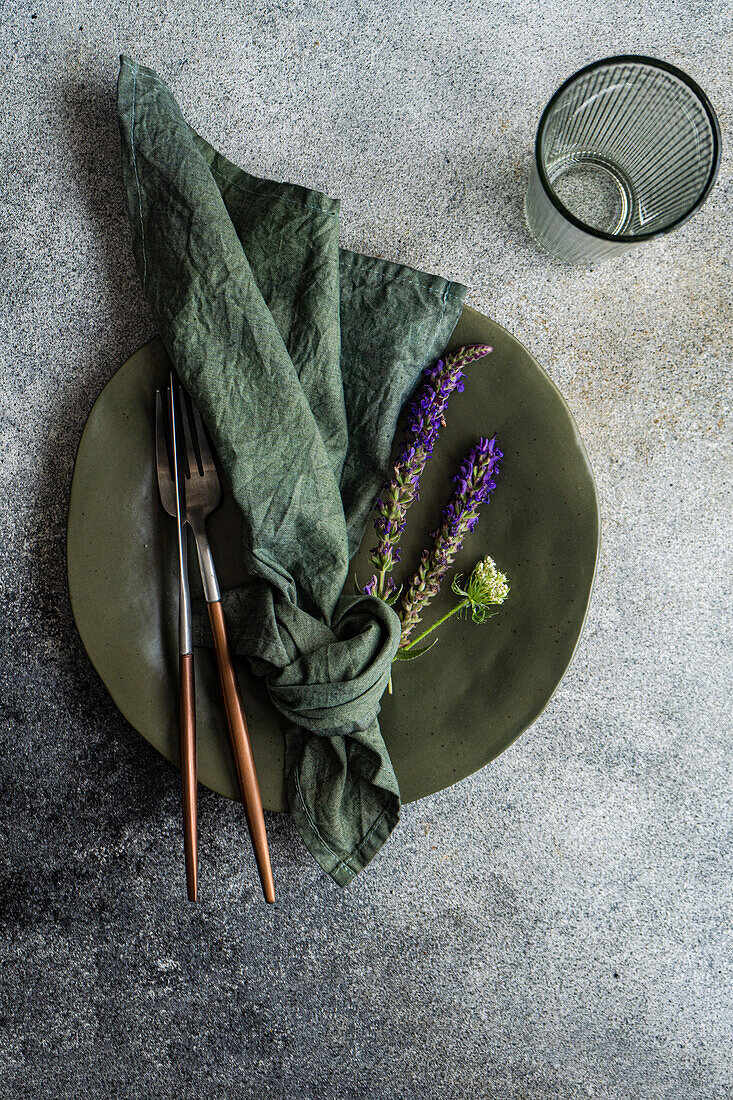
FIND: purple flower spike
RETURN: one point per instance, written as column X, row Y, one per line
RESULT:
column 426, row 416
column 370, row 587
column 475, row 482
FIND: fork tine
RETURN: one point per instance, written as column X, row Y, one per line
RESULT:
column 159, row 437
column 207, row 459
column 162, row 458
column 191, row 456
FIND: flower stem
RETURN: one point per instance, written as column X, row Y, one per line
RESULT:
column 458, row 607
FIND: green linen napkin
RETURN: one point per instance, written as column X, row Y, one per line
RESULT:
column 301, row 356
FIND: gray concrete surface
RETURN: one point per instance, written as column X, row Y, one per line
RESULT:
column 556, row 926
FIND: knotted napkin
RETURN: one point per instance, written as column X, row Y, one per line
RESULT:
column 301, row 356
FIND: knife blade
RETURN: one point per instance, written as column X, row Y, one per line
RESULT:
column 187, row 695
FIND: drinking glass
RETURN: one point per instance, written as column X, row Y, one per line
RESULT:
column 627, row 148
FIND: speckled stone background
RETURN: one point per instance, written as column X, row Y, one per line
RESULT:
column 559, row 925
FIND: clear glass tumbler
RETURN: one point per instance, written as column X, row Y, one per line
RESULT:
column 626, row 149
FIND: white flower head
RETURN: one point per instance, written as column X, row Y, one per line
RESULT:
column 486, row 586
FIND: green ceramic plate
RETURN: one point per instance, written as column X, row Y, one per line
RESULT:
column 453, row 710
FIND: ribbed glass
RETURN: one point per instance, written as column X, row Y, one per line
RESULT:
column 626, row 149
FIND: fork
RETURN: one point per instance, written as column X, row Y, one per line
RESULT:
column 202, row 495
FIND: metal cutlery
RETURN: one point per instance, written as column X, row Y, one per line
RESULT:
column 170, row 490
column 201, row 496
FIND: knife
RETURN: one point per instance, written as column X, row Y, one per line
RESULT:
column 186, row 689
column 171, row 493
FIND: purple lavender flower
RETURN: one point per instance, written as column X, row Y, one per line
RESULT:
column 426, row 415
column 370, row 588
column 474, row 485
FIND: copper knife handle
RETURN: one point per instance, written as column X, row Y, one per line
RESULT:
column 187, row 701
column 242, row 749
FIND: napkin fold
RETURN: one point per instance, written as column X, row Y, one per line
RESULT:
column 300, row 356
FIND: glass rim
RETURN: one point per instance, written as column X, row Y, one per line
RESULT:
column 655, row 63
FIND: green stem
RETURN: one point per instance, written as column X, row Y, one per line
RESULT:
column 458, row 607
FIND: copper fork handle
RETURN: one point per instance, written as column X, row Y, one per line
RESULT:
column 188, row 772
column 242, row 749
